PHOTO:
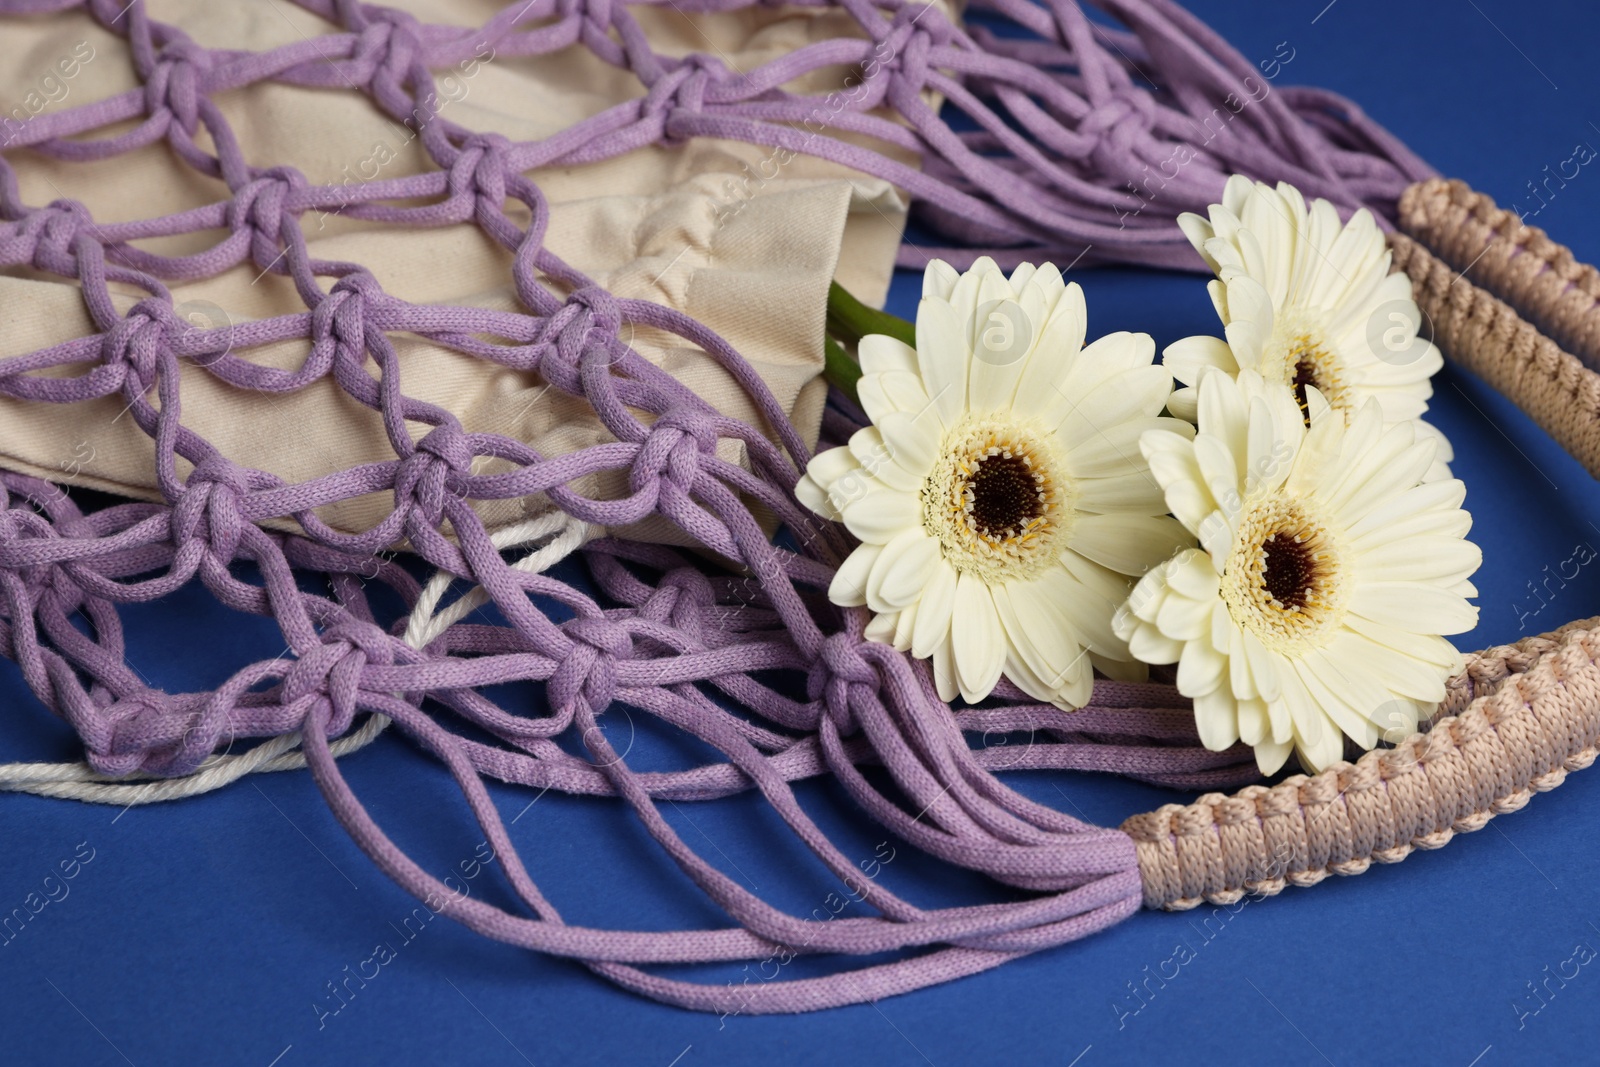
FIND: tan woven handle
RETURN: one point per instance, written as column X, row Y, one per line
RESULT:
column 1522, row 715
column 1532, row 714
column 1492, row 246
column 1486, row 336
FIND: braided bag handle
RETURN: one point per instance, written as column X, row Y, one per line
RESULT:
column 1520, row 716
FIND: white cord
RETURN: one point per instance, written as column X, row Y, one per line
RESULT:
column 78, row 781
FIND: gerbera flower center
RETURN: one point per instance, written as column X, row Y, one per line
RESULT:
column 997, row 500
column 1285, row 580
column 1288, row 570
column 1301, row 358
column 1005, row 493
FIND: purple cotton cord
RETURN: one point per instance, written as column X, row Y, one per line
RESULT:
column 1073, row 187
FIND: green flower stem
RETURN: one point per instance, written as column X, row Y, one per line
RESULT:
column 840, row 368
column 850, row 320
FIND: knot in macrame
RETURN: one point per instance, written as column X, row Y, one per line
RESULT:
column 386, row 47
column 339, row 319
column 135, row 343
column 1114, row 125
column 20, row 522
column 139, row 733
column 840, row 666
column 174, row 84
column 683, row 598
column 430, row 475
column 208, row 510
column 915, row 32
column 601, row 306
column 589, row 668
column 331, row 672
column 45, row 237
column 586, row 325
column 595, row 16
column 480, row 170
column 681, row 91
column 672, row 449
column 259, row 205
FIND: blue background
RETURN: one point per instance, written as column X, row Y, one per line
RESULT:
column 204, row 931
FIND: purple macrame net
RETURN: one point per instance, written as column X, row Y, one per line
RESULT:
column 1066, row 126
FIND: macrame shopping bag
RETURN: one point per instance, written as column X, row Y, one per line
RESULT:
column 1061, row 154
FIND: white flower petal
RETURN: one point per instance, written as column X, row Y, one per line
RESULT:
column 1423, row 647
column 1107, row 358
column 1174, row 467
column 1271, row 756
column 1185, row 403
column 812, row 496
column 964, row 294
column 1135, row 394
column 1150, row 645
column 1118, row 670
column 1087, row 595
column 829, row 466
column 1254, row 726
column 1191, row 574
column 1248, row 341
column 1222, row 411
column 896, row 391
column 876, row 458
column 1240, row 681
column 943, row 356
column 881, row 513
column 1001, row 346
column 980, row 646
column 1055, row 353
column 1220, row 472
column 898, row 578
column 1428, row 508
column 912, row 441
column 1144, row 601
column 1198, row 230
column 1216, row 718
column 882, row 354
column 880, row 628
column 1185, row 619
column 849, row 586
column 1346, row 695
column 1414, row 606
column 1270, row 449
column 1187, row 359
column 1201, row 669
column 905, row 624
column 1128, row 544
column 1317, row 741
column 939, row 279
column 1114, row 451
column 1045, row 641
column 1403, row 675
column 1425, row 557
column 934, row 611
column 944, row 670
column 1263, row 667
column 1249, row 302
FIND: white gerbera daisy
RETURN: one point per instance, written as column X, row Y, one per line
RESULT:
column 999, row 494
column 1308, row 302
column 1326, row 575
